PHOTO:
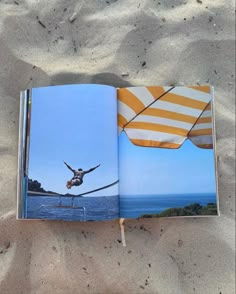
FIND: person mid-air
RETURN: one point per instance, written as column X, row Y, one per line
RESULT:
column 77, row 179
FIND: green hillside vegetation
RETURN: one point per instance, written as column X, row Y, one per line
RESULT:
column 35, row 186
column 190, row 210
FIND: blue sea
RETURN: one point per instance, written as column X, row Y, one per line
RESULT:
column 135, row 206
column 107, row 208
column 85, row 208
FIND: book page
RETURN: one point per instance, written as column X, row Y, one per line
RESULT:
column 166, row 152
column 72, row 169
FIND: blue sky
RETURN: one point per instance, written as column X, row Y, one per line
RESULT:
column 188, row 169
column 75, row 123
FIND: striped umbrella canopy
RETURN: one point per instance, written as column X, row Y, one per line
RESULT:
column 164, row 117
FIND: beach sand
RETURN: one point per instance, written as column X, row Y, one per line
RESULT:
column 119, row 43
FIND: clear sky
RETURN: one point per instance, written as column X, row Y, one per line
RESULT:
column 75, row 123
column 188, row 169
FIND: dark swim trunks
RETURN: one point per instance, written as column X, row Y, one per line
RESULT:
column 76, row 182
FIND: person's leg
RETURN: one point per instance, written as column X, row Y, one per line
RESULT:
column 69, row 184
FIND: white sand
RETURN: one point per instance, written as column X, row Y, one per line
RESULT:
column 95, row 42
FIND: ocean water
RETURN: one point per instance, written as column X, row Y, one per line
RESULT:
column 85, row 208
column 107, row 208
column 133, row 206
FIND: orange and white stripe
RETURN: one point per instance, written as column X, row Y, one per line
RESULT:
column 166, row 116
column 201, row 133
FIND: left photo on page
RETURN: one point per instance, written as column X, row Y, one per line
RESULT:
column 68, row 156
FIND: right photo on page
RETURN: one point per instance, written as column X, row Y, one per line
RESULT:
column 166, row 152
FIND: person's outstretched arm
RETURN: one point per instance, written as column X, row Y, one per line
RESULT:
column 91, row 169
column 70, row 168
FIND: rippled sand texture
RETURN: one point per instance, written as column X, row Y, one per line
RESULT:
column 119, row 43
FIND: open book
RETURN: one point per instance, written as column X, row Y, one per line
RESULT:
column 94, row 152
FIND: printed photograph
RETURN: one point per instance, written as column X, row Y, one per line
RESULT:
column 166, row 152
column 73, row 155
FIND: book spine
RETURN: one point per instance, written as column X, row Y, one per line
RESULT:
column 22, row 154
